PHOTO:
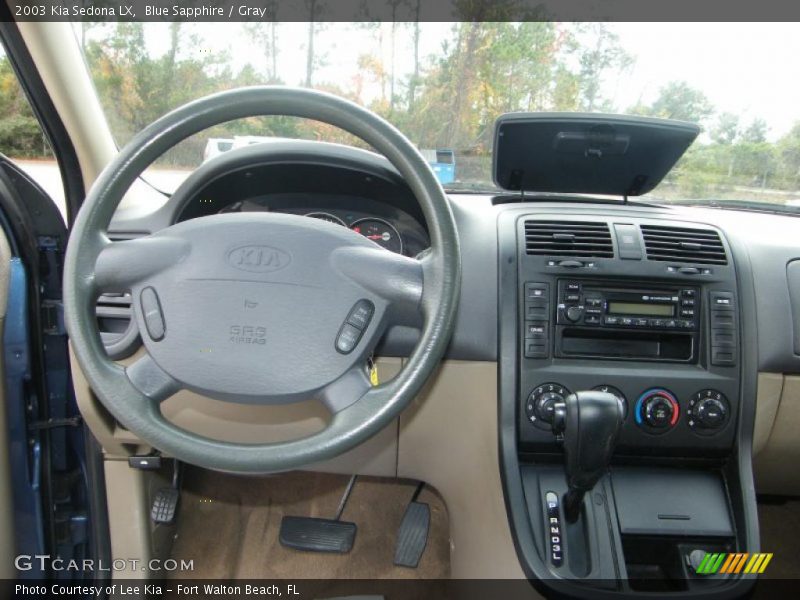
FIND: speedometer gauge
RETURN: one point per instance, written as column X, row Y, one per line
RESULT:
column 323, row 216
column 380, row 232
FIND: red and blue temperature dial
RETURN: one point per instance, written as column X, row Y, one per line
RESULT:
column 657, row 409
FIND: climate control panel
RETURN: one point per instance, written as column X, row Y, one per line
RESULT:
column 656, row 416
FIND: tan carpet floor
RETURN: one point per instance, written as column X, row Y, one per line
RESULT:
column 780, row 534
column 228, row 525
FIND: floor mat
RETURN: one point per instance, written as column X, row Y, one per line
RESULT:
column 228, row 525
column 780, row 534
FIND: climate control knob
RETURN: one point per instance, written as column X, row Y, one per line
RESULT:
column 708, row 411
column 541, row 403
column 657, row 410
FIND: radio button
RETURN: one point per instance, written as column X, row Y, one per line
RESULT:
column 627, row 321
column 536, row 312
column 642, row 322
column 671, row 324
column 687, row 312
column 535, row 290
column 537, row 302
column 688, row 293
column 572, row 298
column 592, row 319
column 687, row 302
column 534, row 329
column 658, row 323
column 593, row 302
column 572, row 286
column 536, row 348
column 611, row 320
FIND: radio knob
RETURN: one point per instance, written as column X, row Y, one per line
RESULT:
column 573, row 313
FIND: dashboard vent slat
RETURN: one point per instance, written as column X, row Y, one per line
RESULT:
column 568, row 238
column 682, row 244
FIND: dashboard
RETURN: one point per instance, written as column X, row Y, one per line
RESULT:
column 674, row 310
column 386, row 225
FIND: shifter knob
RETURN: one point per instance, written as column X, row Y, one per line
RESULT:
column 589, row 422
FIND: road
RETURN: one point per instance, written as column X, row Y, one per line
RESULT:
column 47, row 175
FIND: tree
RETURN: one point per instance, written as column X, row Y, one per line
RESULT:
column 678, row 100
column 726, row 130
column 20, row 133
column 414, row 80
column 788, row 149
column 315, row 11
column 603, row 55
column 265, row 36
column 756, row 132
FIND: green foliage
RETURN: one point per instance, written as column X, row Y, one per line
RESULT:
column 20, row 133
column 486, row 66
column 678, row 100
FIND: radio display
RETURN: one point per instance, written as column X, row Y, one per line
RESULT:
column 640, row 308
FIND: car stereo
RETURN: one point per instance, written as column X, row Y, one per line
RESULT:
column 602, row 306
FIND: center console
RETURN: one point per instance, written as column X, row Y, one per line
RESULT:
column 654, row 313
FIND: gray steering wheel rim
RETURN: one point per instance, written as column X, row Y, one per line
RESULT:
column 351, row 426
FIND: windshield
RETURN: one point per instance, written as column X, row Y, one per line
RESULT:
column 444, row 84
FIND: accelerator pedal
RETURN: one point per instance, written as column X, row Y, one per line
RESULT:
column 311, row 534
column 165, row 502
column 413, row 535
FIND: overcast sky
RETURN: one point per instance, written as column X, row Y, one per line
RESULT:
column 746, row 68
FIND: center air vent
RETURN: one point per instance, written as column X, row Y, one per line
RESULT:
column 568, row 238
column 685, row 245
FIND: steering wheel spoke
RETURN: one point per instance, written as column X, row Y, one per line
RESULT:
column 396, row 279
column 151, row 380
column 122, row 265
column 347, row 389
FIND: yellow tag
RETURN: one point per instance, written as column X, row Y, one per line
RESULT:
column 373, row 373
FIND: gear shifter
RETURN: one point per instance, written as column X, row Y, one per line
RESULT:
column 589, row 422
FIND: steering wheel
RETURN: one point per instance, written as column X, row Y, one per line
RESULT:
column 260, row 308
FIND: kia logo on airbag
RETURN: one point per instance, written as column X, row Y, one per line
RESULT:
column 260, row 259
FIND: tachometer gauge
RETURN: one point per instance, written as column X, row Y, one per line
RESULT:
column 380, row 232
column 326, row 217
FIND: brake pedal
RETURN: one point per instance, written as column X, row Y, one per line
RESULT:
column 412, row 538
column 311, row 534
column 166, row 500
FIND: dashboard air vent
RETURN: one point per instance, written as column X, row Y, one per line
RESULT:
column 685, row 245
column 568, row 238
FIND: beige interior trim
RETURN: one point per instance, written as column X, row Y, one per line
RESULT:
column 448, row 438
column 775, row 466
column 770, row 387
column 242, row 423
column 7, row 544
